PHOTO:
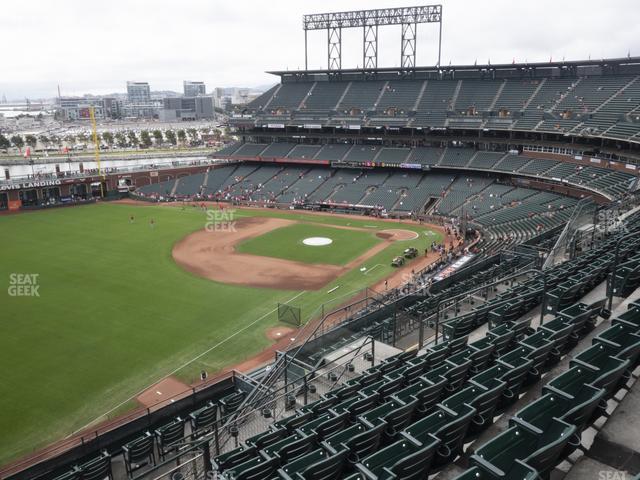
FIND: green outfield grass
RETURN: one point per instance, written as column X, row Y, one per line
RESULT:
column 286, row 242
column 115, row 313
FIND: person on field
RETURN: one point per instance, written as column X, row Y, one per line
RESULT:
column 131, row 219
column 152, row 223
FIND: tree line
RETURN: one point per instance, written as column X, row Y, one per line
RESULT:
column 143, row 139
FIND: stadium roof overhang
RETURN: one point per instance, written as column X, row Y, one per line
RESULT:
column 611, row 65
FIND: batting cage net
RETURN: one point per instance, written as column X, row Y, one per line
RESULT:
column 289, row 314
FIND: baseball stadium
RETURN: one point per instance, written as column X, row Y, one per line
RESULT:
column 391, row 273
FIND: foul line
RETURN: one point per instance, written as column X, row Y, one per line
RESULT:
column 371, row 269
column 184, row 365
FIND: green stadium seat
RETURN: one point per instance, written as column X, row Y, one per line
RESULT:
column 437, row 354
column 257, row 468
column 325, row 425
column 317, row 465
column 427, row 391
column 168, row 436
column 541, row 451
column 522, row 329
column 559, row 331
column 266, row 438
column 480, row 353
column 293, row 446
column 234, row 457
column 582, row 316
column 459, row 327
column 231, row 402
column 502, row 337
column 359, row 440
column 581, row 412
column 631, row 317
column 458, row 345
column 401, row 460
column 623, row 340
column 484, row 399
column 513, row 376
column 457, row 367
column 98, row 468
column 570, row 382
column 448, row 426
column 541, row 339
column 538, row 356
column 139, row 453
column 384, row 387
column 409, row 372
column 599, row 358
column 356, row 406
column 203, row 418
column 345, row 391
column 292, row 422
column 393, row 414
column 367, row 378
column 321, row 406
column 519, row 471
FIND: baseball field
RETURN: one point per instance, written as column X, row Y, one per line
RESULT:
column 102, row 301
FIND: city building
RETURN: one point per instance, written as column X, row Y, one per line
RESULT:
column 77, row 108
column 138, row 92
column 194, row 89
column 187, row 108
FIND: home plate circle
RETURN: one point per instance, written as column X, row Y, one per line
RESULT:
column 317, row 241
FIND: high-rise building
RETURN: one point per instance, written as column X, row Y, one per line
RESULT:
column 187, row 108
column 194, row 89
column 138, row 93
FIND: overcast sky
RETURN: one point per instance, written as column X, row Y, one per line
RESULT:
column 96, row 47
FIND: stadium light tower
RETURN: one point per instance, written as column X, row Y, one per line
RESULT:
column 369, row 20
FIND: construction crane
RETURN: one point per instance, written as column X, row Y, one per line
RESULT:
column 92, row 116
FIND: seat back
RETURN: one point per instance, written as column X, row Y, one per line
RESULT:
column 399, row 418
column 431, row 394
column 365, row 443
column 139, row 450
column 96, row 469
column 453, row 433
column 360, row 406
column 267, row 438
column 486, row 404
column 457, row 373
column 296, row 449
column 170, row 434
column 480, row 356
column 584, row 406
column 331, row 426
column 552, row 443
column 330, row 468
column 235, row 457
column 260, row 471
column 294, row 421
column 204, row 417
column 416, row 465
column 321, row 406
column 389, row 387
